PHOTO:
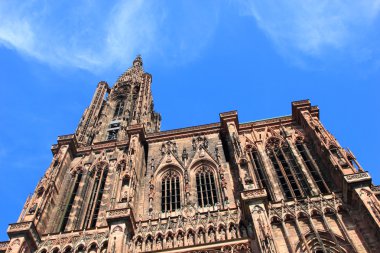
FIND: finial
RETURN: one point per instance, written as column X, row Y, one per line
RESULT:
column 137, row 62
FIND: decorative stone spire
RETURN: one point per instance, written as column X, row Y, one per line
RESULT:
column 137, row 62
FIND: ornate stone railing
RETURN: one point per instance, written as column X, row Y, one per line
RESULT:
column 4, row 245
column 320, row 204
column 26, row 229
column 357, row 177
column 191, row 229
column 16, row 227
column 119, row 214
column 66, row 137
column 98, row 236
column 254, row 194
column 375, row 188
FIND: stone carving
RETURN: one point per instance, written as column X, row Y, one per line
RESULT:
column 372, row 202
column 169, row 147
column 189, row 218
column 199, row 142
column 118, row 213
column 4, row 245
column 375, row 188
column 185, row 156
column 217, row 155
column 273, row 143
column 129, row 189
column 151, row 193
column 236, row 143
column 19, row 226
column 32, row 210
column 256, row 193
column 117, row 229
column 307, row 206
column 95, row 238
column 357, row 177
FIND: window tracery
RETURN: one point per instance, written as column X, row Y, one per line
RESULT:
column 260, row 171
column 170, row 192
column 307, row 159
column 206, row 187
column 77, row 179
column 119, row 109
column 99, row 176
column 292, row 180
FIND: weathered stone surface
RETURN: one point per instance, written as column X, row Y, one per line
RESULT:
column 119, row 184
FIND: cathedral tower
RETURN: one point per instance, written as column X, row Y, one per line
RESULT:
column 129, row 102
column 119, row 184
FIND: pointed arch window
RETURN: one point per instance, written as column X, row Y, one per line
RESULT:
column 119, row 109
column 260, row 171
column 100, row 177
column 311, row 166
column 206, row 189
column 66, row 216
column 170, row 192
column 125, row 188
column 292, row 180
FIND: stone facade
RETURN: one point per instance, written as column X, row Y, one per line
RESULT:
column 119, row 184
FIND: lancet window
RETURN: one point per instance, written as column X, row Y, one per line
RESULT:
column 260, row 171
column 119, row 109
column 100, row 177
column 66, row 216
column 288, row 171
column 170, row 192
column 206, row 190
column 314, row 171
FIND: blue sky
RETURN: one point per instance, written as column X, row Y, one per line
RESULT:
column 206, row 57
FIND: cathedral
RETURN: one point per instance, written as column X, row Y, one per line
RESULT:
column 118, row 184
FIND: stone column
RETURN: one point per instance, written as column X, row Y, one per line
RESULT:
column 121, row 225
column 254, row 203
column 23, row 238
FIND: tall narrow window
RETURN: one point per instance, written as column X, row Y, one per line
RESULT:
column 90, row 139
column 260, row 173
column 314, row 171
column 170, row 192
column 119, row 109
column 69, row 206
column 113, row 130
column 206, row 189
column 280, row 175
column 96, row 196
column 289, row 173
column 297, row 171
column 338, row 156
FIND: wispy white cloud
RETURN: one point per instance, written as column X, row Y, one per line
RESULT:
column 95, row 36
column 313, row 27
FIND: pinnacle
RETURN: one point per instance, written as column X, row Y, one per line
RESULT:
column 138, row 61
